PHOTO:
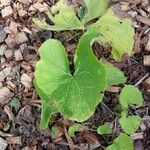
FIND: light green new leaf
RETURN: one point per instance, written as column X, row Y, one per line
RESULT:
column 130, row 95
column 129, row 124
column 114, row 75
column 104, row 129
column 15, row 103
column 95, row 9
column 119, row 33
column 41, row 23
column 64, row 18
column 75, row 96
column 122, row 142
column 73, row 129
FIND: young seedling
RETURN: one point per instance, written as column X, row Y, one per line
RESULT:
column 130, row 95
column 104, row 129
column 122, row 142
column 129, row 124
column 77, row 94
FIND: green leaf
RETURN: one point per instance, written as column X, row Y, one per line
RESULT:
column 41, row 23
column 114, row 75
column 122, row 142
column 7, row 126
column 129, row 124
column 63, row 17
column 130, row 95
column 104, row 129
column 81, row 12
column 117, row 32
column 73, row 129
column 15, row 103
column 95, row 8
column 75, row 96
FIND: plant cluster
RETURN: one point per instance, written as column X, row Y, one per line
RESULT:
column 76, row 95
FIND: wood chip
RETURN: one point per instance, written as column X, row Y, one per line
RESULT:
column 2, row 60
column 10, row 41
column 25, row 29
column 145, row 3
column 27, row 148
column 11, row 86
column 147, row 85
column 148, row 9
column 143, row 20
column 2, row 49
column 137, row 48
column 113, row 89
column 125, row 6
column 137, row 136
column 8, row 53
column 2, row 35
column 5, row 2
column 22, row 13
column 23, row 46
column 147, row 60
column 1, row 85
column 18, row 55
column 90, row 137
column 7, row 12
column 26, row 81
column 5, row 95
column 4, row 73
column 14, row 140
column 9, row 112
column 21, row 38
column 147, row 47
column 143, row 126
column 138, row 145
column 13, row 27
column 3, row 134
column 41, row 7
column 143, row 13
column 25, row 1
column 3, row 144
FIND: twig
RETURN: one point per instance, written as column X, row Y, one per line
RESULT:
column 68, row 144
column 9, row 112
column 143, row 20
column 69, row 140
column 141, row 80
column 115, row 125
column 107, row 108
column 5, row 134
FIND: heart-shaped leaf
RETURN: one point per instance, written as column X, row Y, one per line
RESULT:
column 122, row 142
column 75, row 96
column 114, row 75
column 104, row 129
column 119, row 33
column 129, row 124
column 130, row 95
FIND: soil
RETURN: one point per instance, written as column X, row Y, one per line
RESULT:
column 20, row 117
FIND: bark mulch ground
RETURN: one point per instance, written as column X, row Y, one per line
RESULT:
column 19, row 103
